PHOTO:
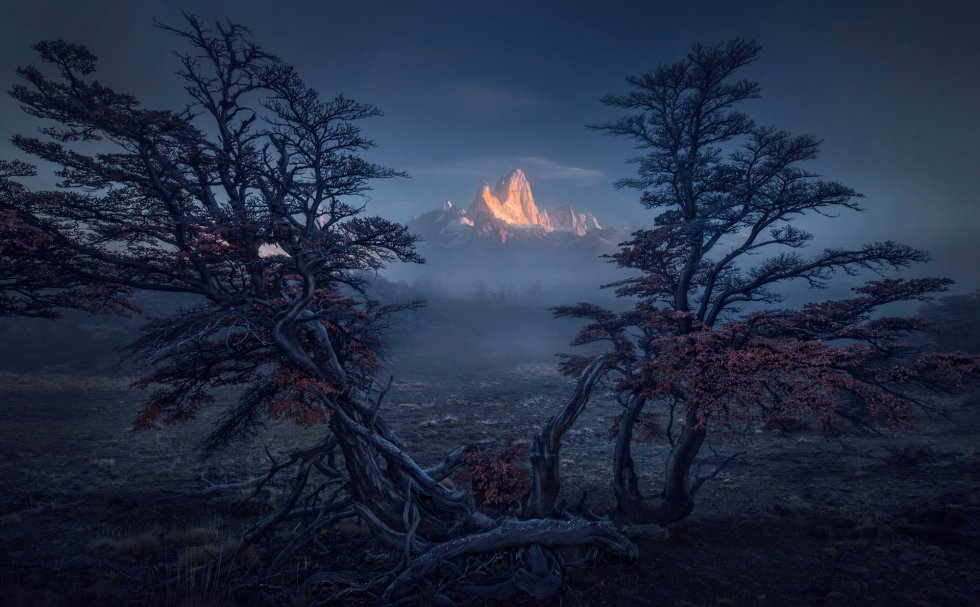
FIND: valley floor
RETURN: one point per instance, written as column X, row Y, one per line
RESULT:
column 94, row 513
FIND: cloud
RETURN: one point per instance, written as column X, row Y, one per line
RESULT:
column 538, row 168
column 483, row 101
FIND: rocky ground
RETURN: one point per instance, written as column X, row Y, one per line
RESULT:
column 92, row 512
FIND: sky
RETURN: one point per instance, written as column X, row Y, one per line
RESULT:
column 470, row 91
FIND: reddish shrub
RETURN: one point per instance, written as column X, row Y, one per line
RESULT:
column 498, row 478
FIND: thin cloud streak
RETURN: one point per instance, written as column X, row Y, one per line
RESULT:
column 538, row 168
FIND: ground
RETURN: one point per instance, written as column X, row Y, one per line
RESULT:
column 92, row 512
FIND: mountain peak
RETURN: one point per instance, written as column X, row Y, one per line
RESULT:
column 498, row 212
column 511, row 201
column 515, row 175
column 515, row 178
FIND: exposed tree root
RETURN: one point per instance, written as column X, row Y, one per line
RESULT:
column 512, row 533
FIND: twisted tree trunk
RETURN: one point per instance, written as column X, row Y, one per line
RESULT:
column 546, row 448
column 677, row 500
column 386, row 481
column 629, row 502
column 371, row 483
column 510, row 533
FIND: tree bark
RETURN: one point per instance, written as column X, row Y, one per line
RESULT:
column 676, row 501
column 512, row 533
column 390, row 491
column 544, row 456
column 370, row 482
column 629, row 502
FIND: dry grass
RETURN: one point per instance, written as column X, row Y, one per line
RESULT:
column 201, row 572
column 195, row 536
column 143, row 543
column 39, row 382
column 194, row 556
column 11, row 519
column 224, row 551
column 105, row 463
column 192, row 569
column 445, row 420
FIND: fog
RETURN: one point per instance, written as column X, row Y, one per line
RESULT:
column 467, row 322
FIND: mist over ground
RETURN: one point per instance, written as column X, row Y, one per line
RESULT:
column 799, row 520
column 270, row 451
column 486, row 324
column 479, row 323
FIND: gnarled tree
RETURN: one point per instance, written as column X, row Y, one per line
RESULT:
column 729, row 196
column 247, row 199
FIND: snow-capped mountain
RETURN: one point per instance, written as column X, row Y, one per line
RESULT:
column 507, row 212
column 503, row 237
column 511, row 201
column 565, row 218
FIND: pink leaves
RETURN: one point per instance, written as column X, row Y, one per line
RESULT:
column 778, row 365
column 163, row 408
column 650, row 428
column 296, row 397
column 496, row 477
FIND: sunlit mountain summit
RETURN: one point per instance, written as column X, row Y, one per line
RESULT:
column 503, row 237
column 505, row 213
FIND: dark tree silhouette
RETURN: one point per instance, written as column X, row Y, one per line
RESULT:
column 247, row 211
column 248, row 199
column 726, row 192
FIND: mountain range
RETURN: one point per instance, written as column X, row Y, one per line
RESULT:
column 507, row 213
column 504, row 238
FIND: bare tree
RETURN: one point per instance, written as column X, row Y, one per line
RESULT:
column 728, row 196
column 251, row 199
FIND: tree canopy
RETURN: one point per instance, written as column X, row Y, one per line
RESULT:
column 704, row 338
column 252, row 200
column 246, row 198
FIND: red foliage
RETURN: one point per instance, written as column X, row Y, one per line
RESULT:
column 497, row 478
column 780, row 365
column 183, row 202
column 650, row 428
column 296, row 397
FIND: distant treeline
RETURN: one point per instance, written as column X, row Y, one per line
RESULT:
column 486, row 322
column 957, row 322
